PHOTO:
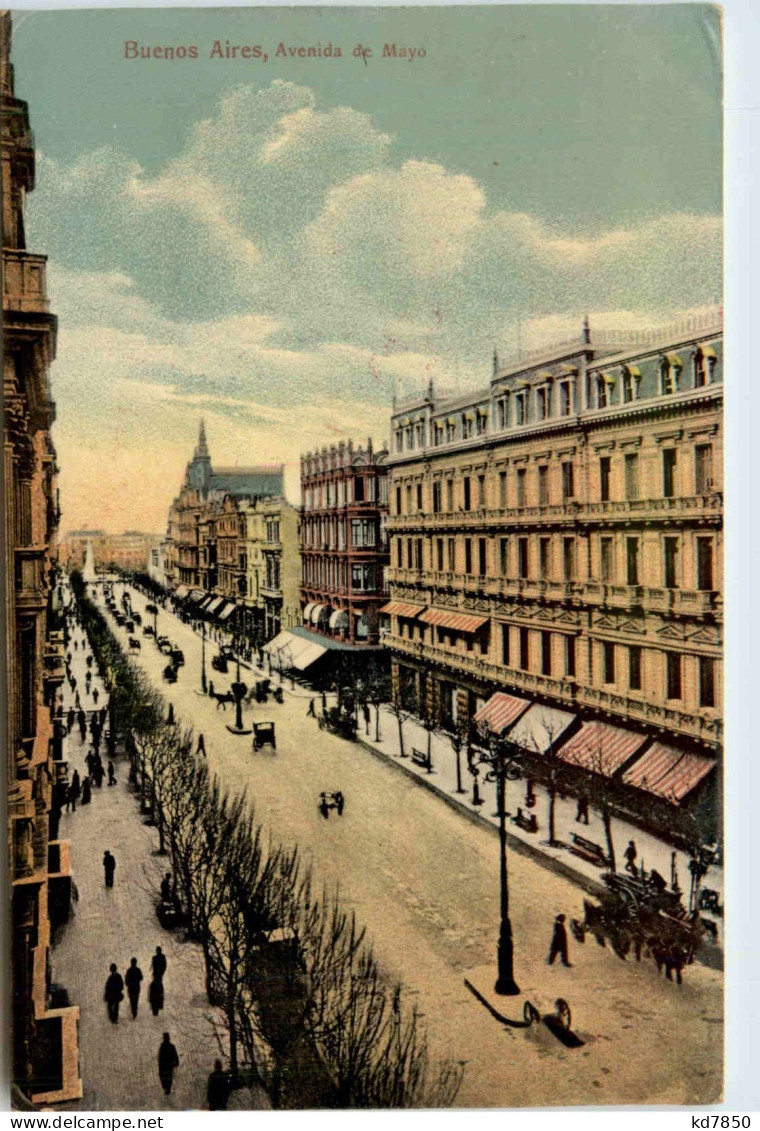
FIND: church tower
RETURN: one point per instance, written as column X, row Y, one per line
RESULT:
column 199, row 468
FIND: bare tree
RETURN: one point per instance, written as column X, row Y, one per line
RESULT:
column 593, row 758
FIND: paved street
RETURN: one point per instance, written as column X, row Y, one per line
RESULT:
column 425, row 883
column 118, row 1062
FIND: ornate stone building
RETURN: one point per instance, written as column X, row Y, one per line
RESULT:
column 556, row 536
column 44, row 1043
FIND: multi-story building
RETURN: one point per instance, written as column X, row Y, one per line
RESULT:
column 44, row 1040
column 556, row 536
column 280, row 581
column 128, row 551
column 344, row 544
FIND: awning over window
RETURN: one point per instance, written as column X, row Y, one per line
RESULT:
column 215, row 605
column 501, row 711
column 401, row 609
column 196, row 595
column 226, row 612
column 307, row 612
column 206, row 602
column 339, row 618
column 707, row 351
column 317, row 612
column 181, row 592
column 601, row 748
column 457, row 622
column 294, row 651
column 540, row 727
column 668, row 772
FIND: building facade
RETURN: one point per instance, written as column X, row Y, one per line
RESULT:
column 558, row 536
column 344, row 542
column 128, row 551
column 44, row 1041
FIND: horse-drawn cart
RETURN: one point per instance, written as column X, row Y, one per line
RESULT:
column 263, row 735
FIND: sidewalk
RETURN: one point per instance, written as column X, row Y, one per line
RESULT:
column 118, row 1063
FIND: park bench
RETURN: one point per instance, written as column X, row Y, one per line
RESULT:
column 420, row 758
column 528, row 822
column 590, row 851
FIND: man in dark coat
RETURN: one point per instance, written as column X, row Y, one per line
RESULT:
column 133, row 977
column 95, row 694
column 167, row 896
column 114, row 993
column 158, row 964
column 630, row 855
column 156, row 996
column 167, row 1062
column 70, row 719
column 201, row 745
column 111, row 773
column 86, row 791
column 109, row 867
column 559, row 942
column 218, row 1089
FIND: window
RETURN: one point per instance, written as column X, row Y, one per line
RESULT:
column 634, row 668
column 703, row 469
column 419, row 496
column 467, row 501
column 363, row 577
column 670, row 550
column 632, row 476
column 543, row 485
column 544, row 556
column 705, row 564
column 399, row 440
column 418, row 553
column 468, row 555
column 398, row 501
column 359, row 489
column 438, row 433
column 451, row 430
column 481, row 490
column 568, row 481
column 632, row 560
column 482, row 557
column 602, row 389
column 504, row 556
column 439, row 553
column 669, row 472
column 481, row 420
column 564, row 399
column 607, row 559
column 502, row 411
column 522, row 557
column 437, row 497
column 521, row 478
column 521, row 415
column 605, row 464
column 408, row 498
column 452, row 549
column 449, row 494
column 706, row 681
column 673, row 674
column 524, row 650
column 608, row 661
column 546, row 653
column 670, row 374
column 570, row 655
column 505, row 645
column 568, row 558
column 409, row 553
column 502, row 489
column 542, row 401
column 629, row 385
column 466, row 425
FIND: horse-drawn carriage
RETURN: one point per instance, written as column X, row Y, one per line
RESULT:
column 263, row 735
column 219, row 663
column 641, row 914
column 339, row 721
column 331, row 800
column 170, row 673
column 134, row 643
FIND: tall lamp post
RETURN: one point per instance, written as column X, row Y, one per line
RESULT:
column 238, row 689
column 204, row 684
column 502, row 761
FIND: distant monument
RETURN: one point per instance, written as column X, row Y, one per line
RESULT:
column 88, row 573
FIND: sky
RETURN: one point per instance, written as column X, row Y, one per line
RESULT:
column 279, row 246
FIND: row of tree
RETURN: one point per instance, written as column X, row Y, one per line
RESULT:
column 305, row 1005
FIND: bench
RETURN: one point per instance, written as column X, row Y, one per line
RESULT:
column 528, row 822
column 420, row 758
column 590, row 851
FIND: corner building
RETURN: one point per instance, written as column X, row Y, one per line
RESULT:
column 557, row 537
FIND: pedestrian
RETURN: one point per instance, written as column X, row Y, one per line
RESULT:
column 630, row 855
column 77, row 701
column 366, row 714
column 82, row 727
column 103, row 715
column 218, row 1089
column 211, row 688
column 167, row 896
column 581, row 814
column 167, row 1062
column 86, row 790
column 170, row 716
column 158, row 964
column 324, row 702
column 75, row 645
column 311, row 713
column 95, row 696
column 75, row 790
column 559, row 942
column 201, row 745
column 89, row 661
column 114, row 993
column 156, row 996
column 70, row 719
column 109, row 867
column 111, row 773
column 98, row 772
column 133, row 977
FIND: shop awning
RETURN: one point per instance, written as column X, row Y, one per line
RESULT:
column 295, row 651
column 181, row 592
column 601, row 748
column 339, row 618
column 540, row 727
column 307, row 656
column 457, row 622
column 215, row 605
column 401, row 609
column 668, row 772
column 196, row 595
column 317, row 612
column 226, row 612
column 307, row 612
column 206, row 602
column 501, row 711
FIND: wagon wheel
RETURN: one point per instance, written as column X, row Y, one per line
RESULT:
column 563, row 1012
column 531, row 1014
column 629, row 900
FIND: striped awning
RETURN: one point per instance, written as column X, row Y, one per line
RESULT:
column 458, row 622
column 181, row 592
column 501, row 711
column 401, row 609
column 317, row 611
column 226, row 612
column 339, row 618
column 215, row 605
column 668, row 772
column 307, row 612
column 601, row 748
column 206, row 603
column 196, row 595
column 540, row 727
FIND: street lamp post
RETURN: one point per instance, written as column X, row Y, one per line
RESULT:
column 204, row 684
column 502, row 760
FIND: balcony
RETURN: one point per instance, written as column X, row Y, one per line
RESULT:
column 24, row 286
column 30, row 579
column 646, row 510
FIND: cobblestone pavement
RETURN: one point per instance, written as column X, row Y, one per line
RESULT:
column 119, row 1062
column 426, row 885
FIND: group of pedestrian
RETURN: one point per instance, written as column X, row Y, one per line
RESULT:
column 114, row 991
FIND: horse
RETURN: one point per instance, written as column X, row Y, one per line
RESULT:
column 223, row 700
